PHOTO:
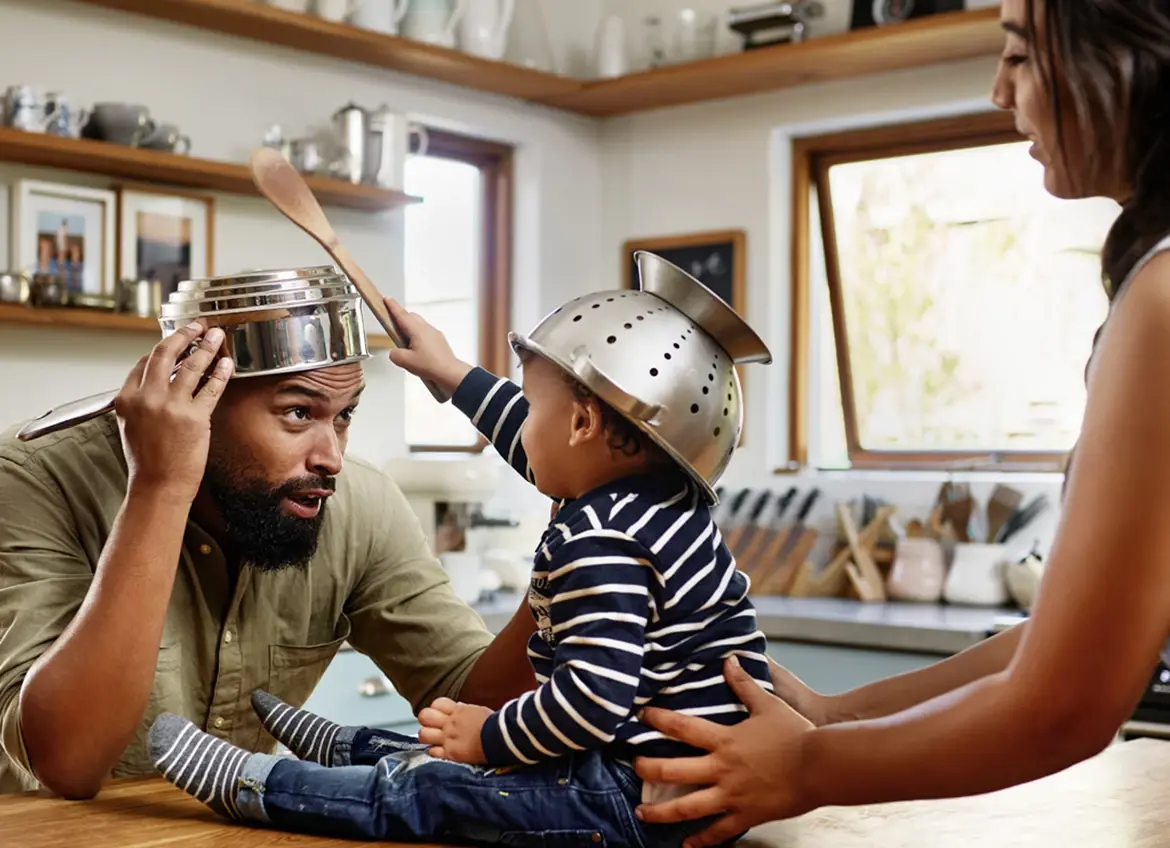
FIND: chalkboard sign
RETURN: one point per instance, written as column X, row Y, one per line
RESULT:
column 714, row 259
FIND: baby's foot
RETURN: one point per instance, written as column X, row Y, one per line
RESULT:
column 201, row 765
column 308, row 736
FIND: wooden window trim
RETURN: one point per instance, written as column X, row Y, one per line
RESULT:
column 495, row 162
column 811, row 159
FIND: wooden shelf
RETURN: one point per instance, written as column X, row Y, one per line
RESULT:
column 133, row 163
column 97, row 319
column 921, row 42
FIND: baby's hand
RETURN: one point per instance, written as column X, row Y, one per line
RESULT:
column 452, row 730
column 429, row 355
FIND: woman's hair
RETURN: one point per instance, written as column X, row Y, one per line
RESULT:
column 1110, row 61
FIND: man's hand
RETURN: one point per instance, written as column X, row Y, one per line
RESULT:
column 165, row 423
column 429, row 355
column 752, row 774
column 453, row 731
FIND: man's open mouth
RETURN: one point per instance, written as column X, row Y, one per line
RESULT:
column 307, row 502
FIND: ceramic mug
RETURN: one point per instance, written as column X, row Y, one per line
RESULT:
column 301, row 6
column 382, row 16
column 483, row 31
column 336, row 10
column 976, row 575
column 434, row 21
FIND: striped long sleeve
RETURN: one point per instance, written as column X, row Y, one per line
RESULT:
column 597, row 585
column 496, row 408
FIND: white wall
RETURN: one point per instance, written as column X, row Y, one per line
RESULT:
column 225, row 92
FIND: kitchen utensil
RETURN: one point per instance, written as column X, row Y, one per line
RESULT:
column 863, row 572
column 383, row 16
column 726, row 513
column 387, row 145
column 742, row 534
column 142, row 297
column 483, row 31
column 1021, row 518
column 832, row 580
column 957, row 505
column 335, row 10
column 611, row 53
column 274, row 322
column 351, row 125
column 15, row 287
column 976, row 575
column 794, row 535
column 285, row 189
column 1000, row 507
column 788, row 552
column 919, row 570
column 434, row 21
column 664, row 356
column 750, row 558
column 765, row 24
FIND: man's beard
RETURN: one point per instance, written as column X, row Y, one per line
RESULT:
column 259, row 531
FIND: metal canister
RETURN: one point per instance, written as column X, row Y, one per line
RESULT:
column 14, row 288
column 351, row 125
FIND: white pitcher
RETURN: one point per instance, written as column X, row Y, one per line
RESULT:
column 434, row 21
column 382, row 16
column 484, row 31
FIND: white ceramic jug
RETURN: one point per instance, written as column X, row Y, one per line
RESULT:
column 434, row 21
column 484, row 30
column 381, row 15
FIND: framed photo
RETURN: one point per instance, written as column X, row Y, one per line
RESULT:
column 65, row 230
column 716, row 259
column 164, row 235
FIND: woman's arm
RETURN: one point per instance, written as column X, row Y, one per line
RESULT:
column 1100, row 618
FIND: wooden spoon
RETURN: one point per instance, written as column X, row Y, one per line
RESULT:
column 286, row 189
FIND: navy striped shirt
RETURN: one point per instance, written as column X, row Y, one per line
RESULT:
column 637, row 602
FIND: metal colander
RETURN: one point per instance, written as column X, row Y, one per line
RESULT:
column 663, row 356
column 275, row 321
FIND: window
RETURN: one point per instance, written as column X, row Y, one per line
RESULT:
column 953, row 300
column 458, row 270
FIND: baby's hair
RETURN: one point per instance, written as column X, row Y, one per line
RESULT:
column 622, row 435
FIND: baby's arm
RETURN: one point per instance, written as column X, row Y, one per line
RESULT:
column 497, row 408
column 601, row 602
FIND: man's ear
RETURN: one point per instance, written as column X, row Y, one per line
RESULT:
column 587, row 423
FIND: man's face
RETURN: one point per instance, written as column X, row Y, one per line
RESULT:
column 276, row 449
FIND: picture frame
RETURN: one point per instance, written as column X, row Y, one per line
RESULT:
column 65, row 229
column 164, row 235
column 717, row 259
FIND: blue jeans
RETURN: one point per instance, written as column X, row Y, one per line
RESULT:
column 386, row 787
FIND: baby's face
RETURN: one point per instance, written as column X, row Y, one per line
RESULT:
column 548, row 429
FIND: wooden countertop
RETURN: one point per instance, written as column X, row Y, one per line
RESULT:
column 1119, row 799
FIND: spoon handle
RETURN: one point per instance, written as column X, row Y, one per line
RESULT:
column 67, row 415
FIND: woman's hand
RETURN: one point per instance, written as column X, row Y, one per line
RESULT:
column 429, row 355
column 752, row 774
column 814, row 706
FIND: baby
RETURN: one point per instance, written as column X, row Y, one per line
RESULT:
column 636, row 599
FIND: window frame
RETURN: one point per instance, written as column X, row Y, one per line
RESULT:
column 495, row 163
column 812, row 157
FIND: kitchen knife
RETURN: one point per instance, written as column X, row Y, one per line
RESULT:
column 1021, row 518
column 742, row 534
column 794, row 535
column 767, row 531
column 724, row 517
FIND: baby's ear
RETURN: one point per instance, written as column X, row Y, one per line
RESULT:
column 588, row 423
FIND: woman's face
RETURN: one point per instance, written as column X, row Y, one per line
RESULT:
column 1020, row 86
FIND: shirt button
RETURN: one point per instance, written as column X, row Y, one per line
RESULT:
column 227, row 637
column 219, row 722
column 205, row 549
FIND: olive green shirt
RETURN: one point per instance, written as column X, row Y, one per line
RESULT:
column 373, row 582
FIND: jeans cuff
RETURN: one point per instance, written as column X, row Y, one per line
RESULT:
column 250, row 786
column 343, row 746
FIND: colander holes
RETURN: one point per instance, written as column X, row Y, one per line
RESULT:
column 711, row 377
column 609, row 300
column 653, row 372
column 706, row 390
column 640, row 318
column 729, row 397
column 597, row 306
column 716, row 431
column 676, row 346
column 612, row 339
column 667, row 355
column 694, row 408
column 576, row 317
column 725, row 412
column 629, row 326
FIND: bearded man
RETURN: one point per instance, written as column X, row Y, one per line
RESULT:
column 201, row 542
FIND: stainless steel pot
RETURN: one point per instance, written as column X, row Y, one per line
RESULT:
column 15, row 288
column 274, row 321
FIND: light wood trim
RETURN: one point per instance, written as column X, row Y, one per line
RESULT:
column 310, row 34
column 811, row 160
column 945, row 37
column 157, row 166
column 921, row 42
column 494, row 161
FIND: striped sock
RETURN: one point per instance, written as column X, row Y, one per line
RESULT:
column 199, row 764
column 308, row 736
